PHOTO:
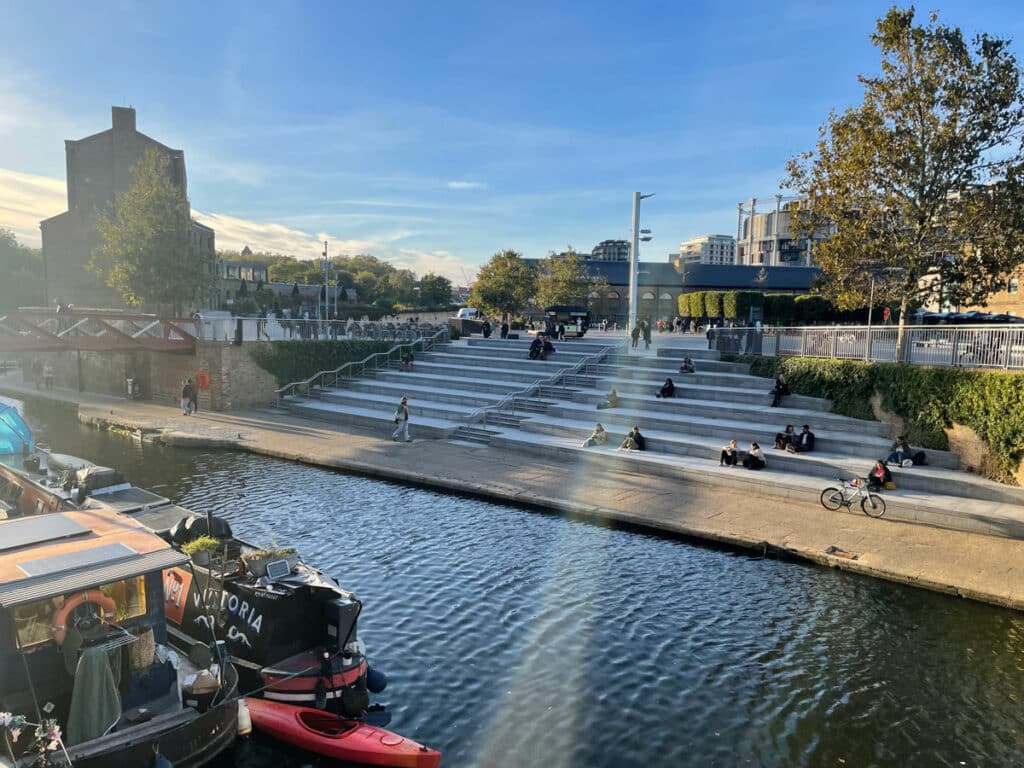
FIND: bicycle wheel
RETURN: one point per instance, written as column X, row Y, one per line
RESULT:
column 873, row 505
column 832, row 499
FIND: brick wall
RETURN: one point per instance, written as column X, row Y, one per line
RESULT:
column 236, row 381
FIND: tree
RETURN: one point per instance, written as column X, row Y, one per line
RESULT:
column 435, row 291
column 921, row 187
column 504, row 285
column 146, row 252
column 566, row 280
column 22, row 269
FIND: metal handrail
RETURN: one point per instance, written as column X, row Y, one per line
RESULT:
column 480, row 414
column 357, row 367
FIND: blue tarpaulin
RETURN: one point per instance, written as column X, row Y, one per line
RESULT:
column 15, row 436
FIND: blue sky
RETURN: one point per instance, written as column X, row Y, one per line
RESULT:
column 434, row 134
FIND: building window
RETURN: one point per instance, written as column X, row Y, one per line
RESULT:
column 1014, row 285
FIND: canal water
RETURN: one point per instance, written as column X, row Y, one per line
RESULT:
column 512, row 637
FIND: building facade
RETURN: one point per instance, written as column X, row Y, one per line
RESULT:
column 706, row 249
column 99, row 168
column 765, row 238
column 610, row 250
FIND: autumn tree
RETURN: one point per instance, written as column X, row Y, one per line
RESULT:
column 565, row 279
column 504, row 285
column 146, row 253
column 920, row 188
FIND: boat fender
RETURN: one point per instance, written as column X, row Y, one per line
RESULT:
column 159, row 761
column 60, row 618
column 244, row 719
column 376, row 681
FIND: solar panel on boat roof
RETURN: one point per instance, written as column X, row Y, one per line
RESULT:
column 108, row 553
column 36, row 530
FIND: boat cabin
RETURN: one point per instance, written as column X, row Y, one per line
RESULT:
column 83, row 635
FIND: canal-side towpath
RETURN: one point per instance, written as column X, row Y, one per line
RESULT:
column 980, row 567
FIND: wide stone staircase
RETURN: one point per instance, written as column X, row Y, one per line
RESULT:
column 486, row 391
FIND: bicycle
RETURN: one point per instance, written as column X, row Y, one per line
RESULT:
column 871, row 504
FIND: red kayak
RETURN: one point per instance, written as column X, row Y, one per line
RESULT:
column 333, row 736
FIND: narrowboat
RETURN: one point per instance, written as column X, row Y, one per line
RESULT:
column 289, row 629
column 87, row 677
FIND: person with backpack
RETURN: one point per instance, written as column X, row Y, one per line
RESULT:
column 402, row 421
column 186, row 398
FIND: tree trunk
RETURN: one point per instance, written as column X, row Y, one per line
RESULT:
column 900, row 341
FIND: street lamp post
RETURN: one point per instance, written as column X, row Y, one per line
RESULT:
column 871, row 306
column 634, row 251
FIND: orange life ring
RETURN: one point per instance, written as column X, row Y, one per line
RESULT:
column 203, row 380
column 60, row 618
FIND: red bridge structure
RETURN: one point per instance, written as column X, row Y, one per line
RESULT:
column 44, row 330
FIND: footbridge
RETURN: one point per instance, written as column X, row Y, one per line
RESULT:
column 44, row 330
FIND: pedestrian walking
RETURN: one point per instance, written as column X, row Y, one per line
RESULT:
column 402, row 421
column 48, row 376
column 647, row 334
column 186, row 398
column 634, row 335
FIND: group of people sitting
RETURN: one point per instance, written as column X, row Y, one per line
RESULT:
column 634, row 441
column 541, row 347
column 754, row 459
column 789, row 440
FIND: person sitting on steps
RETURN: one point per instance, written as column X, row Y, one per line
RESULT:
column 668, row 389
column 730, row 455
column 611, row 400
column 687, row 366
column 755, row 457
column 634, row 441
column 599, row 437
column 879, row 476
column 900, row 451
column 784, row 439
column 802, row 443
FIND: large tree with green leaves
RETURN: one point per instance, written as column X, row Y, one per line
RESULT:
column 504, row 285
column 435, row 291
column 22, row 269
column 921, row 187
column 147, row 253
column 565, row 279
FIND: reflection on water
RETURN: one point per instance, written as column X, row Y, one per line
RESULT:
column 516, row 638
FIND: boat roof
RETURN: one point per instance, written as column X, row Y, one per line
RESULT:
column 47, row 555
column 15, row 436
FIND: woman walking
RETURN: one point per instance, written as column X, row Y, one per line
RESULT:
column 402, row 421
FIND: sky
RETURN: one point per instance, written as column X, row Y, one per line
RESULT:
column 433, row 135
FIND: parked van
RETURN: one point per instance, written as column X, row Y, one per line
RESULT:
column 467, row 313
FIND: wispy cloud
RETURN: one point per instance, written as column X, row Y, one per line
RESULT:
column 466, row 185
column 25, row 200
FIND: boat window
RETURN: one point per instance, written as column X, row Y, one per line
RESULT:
column 34, row 621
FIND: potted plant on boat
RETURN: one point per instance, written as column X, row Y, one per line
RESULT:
column 201, row 549
column 256, row 560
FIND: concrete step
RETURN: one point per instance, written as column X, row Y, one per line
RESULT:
column 744, row 395
column 705, row 379
column 470, row 357
column 397, row 388
column 774, row 419
column 369, row 418
column 820, row 463
column 385, row 405
column 957, row 513
column 474, row 435
column 581, row 346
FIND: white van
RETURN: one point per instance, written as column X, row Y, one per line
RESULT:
column 467, row 313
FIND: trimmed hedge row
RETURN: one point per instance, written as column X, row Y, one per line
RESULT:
column 289, row 361
column 777, row 308
column 929, row 399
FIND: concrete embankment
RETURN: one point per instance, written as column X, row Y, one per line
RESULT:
column 975, row 566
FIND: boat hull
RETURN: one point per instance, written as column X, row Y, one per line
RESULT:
column 338, row 738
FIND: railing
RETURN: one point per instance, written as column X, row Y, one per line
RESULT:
column 376, row 361
column 299, row 329
column 966, row 346
column 524, row 395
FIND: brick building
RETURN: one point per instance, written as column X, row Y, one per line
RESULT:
column 99, row 168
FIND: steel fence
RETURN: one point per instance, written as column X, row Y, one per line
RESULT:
column 245, row 329
column 965, row 346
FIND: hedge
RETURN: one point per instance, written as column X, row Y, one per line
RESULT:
column 289, row 361
column 930, row 400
